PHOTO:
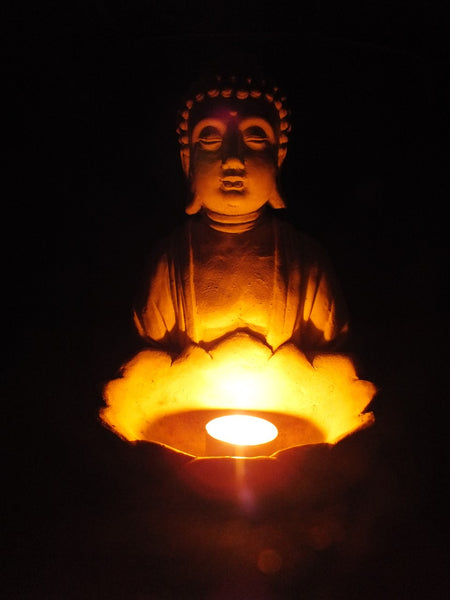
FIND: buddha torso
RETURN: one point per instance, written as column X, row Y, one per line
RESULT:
column 233, row 276
column 268, row 280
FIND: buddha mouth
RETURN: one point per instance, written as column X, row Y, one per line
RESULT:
column 232, row 183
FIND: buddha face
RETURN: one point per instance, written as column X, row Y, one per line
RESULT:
column 233, row 159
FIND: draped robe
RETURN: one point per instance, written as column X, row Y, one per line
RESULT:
column 271, row 281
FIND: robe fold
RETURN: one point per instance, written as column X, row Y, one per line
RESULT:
column 271, row 281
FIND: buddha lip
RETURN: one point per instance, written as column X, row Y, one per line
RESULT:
column 232, row 182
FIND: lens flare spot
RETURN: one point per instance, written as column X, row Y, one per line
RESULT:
column 242, row 430
column 269, row 561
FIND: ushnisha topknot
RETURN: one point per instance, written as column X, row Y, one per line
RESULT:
column 233, row 87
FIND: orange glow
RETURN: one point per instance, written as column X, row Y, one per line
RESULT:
column 242, row 430
column 237, row 267
column 170, row 402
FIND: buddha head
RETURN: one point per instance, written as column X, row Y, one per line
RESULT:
column 233, row 134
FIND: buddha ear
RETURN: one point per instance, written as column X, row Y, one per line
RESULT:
column 185, row 160
column 194, row 206
column 282, row 151
column 275, row 200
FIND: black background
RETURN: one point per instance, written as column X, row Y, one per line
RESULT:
column 93, row 180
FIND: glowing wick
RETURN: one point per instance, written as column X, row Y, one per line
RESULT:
column 242, row 430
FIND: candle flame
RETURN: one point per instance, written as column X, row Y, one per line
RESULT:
column 242, row 430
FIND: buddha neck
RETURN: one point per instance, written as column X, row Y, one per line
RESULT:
column 233, row 223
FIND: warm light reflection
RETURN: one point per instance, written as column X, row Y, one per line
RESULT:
column 242, row 430
column 242, row 375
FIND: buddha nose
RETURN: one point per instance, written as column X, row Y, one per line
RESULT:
column 232, row 151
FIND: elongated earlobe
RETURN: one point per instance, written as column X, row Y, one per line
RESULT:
column 275, row 200
column 281, row 155
column 194, row 205
column 185, row 160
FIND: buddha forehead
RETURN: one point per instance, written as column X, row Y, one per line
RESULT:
column 233, row 110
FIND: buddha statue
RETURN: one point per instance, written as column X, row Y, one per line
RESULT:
column 235, row 265
column 239, row 310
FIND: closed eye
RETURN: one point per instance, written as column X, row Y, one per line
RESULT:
column 256, row 138
column 210, row 138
